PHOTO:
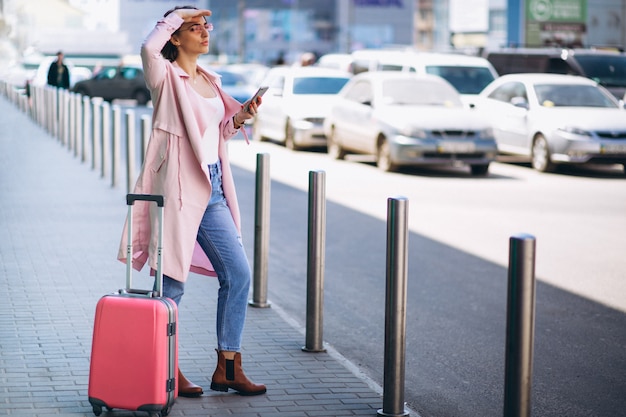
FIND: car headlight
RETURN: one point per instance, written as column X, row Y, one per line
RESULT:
column 414, row 132
column 574, row 131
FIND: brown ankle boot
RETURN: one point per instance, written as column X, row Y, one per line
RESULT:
column 187, row 388
column 229, row 374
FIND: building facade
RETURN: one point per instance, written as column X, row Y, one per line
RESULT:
column 264, row 31
column 268, row 30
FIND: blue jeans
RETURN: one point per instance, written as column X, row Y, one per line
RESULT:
column 219, row 239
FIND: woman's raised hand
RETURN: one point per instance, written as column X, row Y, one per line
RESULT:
column 191, row 13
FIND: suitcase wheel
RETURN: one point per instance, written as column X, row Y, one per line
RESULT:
column 97, row 410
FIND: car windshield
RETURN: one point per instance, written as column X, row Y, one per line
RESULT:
column 417, row 92
column 318, row 85
column 467, row 80
column 571, row 95
column 231, row 78
column 607, row 70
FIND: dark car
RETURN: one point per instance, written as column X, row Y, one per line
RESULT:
column 607, row 68
column 110, row 83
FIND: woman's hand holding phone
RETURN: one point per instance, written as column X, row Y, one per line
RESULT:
column 249, row 109
column 256, row 98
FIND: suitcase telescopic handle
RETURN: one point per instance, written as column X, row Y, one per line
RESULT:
column 131, row 198
column 130, row 201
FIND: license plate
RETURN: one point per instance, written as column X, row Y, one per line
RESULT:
column 613, row 148
column 456, row 147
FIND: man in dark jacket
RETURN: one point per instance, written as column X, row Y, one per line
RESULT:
column 58, row 73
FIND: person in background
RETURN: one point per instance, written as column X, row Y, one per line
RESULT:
column 58, row 73
column 307, row 59
column 187, row 162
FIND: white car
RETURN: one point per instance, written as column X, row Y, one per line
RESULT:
column 468, row 74
column 555, row 119
column 295, row 105
column 404, row 119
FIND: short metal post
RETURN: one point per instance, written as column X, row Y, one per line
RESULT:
column 59, row 114
column 395, row 308
column 316, row 262
column 86, row 127
column 115, row 148
column 520, row 326
column 65, row 118
column 130, row 149
column 72, row 121
column 261, row 231
column 106, row 139
column 79, row 123
column 96, row 132
column 49, row 111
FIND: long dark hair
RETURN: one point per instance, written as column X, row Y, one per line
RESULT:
column 169, row 51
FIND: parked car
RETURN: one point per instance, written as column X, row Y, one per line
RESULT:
column 110, row 83
column 468, row 74
column 253, row 73
column 606, row 67
column 555, row 119
column 296, row 104
column 337, row 61
column 406, row 119
column 235, row 84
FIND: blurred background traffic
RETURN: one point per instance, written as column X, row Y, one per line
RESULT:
column 467, row 43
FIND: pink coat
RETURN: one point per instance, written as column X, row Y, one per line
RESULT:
column 175, row 166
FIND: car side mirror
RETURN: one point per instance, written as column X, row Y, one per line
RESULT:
column 520, row 102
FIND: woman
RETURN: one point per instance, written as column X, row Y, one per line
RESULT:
column 187, row 162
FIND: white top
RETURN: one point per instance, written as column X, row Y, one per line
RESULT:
column 210, row 139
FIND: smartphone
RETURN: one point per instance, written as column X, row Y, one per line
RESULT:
column 259, row 93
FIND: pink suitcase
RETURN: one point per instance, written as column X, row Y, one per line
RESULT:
column 134, row 353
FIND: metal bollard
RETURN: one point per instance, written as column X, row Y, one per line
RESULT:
column 86, row 127
column 96, row 132
column 79, row 124
column 56, row 113
column 64, row 137
column 72, row 122
column 49, row 110
column 520, row 326
column 315, row 263
column 261, row 231
column 395, row 308
column 106, row 138
column 115, row 146
column 130, row 149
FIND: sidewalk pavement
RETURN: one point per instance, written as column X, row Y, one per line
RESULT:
column 61, row 224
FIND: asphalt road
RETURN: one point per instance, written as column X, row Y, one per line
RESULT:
column 460, row 228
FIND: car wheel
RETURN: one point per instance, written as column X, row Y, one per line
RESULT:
column 141, row 97
column 334, row 149
column 289, row 137
column 383, row 158
column 479, row 169
column 541, row 155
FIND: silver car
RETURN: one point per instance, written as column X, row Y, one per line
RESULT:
column 555, row 119
column 408, row 119
column 296, row 104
